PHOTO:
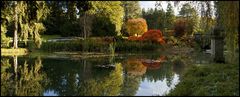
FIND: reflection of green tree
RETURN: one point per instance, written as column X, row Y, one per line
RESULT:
column 73, row 78
column 107, row 86
column 26, row 81
column 178, row 66
column 62, row 75
column 130, row 85
column 133, row 71
column 160, row 74
column 5, row 85
column 5, row 65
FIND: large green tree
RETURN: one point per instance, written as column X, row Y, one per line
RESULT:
column 190, row 15
column 228, row 18
column 110, row 9
column 56, row 18
column 86, row 10
column 132, row 9
column 27, row 18
column 6, row 17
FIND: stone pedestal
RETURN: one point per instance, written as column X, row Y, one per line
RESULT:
column 217, row 47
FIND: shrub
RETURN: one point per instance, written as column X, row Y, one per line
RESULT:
column 136, row 26
column 169, row 33
column 154, row 36
column 135, row 46
column 180, row 28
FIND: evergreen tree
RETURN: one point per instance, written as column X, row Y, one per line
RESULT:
column 170, row 17
column 190, row 15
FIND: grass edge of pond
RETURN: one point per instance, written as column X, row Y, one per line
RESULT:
column 209, row 80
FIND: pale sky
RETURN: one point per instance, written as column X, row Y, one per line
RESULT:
column 151, row 4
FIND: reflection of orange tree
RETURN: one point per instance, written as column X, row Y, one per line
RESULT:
column 107, row 86
column 27, row 82
column 135, row 67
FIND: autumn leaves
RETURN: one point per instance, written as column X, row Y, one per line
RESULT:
column 137, row 29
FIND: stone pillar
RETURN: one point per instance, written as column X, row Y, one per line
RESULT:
column 217, row 46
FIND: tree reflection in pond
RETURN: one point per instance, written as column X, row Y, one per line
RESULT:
column 22, row 79
column 152, row 71
column 135, row 67
column 107, row 86
column 82, row 77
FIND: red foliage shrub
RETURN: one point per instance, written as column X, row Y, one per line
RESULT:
column 134, row 38
column 153, row 35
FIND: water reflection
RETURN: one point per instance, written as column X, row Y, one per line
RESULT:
column 67, row 77
column 22, row 79
column 147, row 73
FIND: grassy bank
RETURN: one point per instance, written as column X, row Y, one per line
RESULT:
column 209, row 80
column 10, row 51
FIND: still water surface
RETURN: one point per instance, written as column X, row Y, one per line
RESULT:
column 139, row 75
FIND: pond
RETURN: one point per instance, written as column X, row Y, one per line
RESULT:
column 126, row 75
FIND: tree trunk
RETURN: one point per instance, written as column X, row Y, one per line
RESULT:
column 15, row 37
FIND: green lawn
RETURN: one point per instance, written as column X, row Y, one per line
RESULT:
column 47, row 37
column 209, row 80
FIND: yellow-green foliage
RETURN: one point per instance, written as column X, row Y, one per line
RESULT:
column 111, row 9
column 229, row 18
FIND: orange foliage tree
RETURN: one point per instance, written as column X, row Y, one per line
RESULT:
column 136, row 26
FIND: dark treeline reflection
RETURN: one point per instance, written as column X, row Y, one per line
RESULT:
column 23, row 76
